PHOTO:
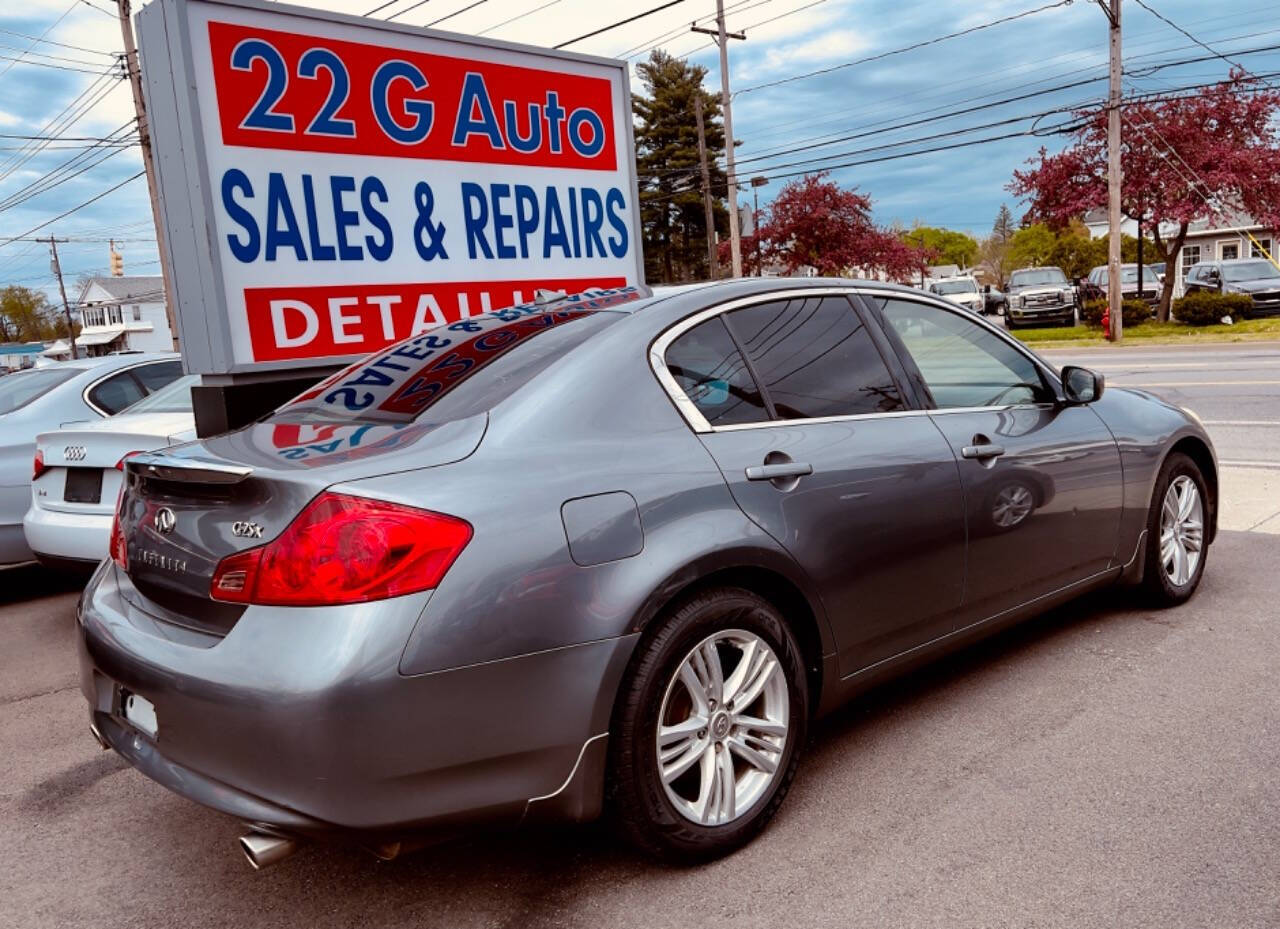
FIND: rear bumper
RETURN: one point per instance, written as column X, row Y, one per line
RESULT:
column 75, row 536
column 299, row 721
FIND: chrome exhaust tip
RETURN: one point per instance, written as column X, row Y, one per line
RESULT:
column 264, row 850
column 98, row 737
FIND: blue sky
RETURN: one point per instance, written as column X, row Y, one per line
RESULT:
column 960, row 189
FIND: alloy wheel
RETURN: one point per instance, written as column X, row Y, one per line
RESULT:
column 1181, row 530
column 722, row 729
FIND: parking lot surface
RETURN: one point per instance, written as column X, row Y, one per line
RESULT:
column 1104, row 765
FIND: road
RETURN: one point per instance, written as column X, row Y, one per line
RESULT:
column 1105, row 765
column 1234, row 389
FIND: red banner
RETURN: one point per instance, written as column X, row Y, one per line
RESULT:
column 336, row 320
column 283, row 90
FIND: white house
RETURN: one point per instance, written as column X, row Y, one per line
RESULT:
column 1206, row 241
column 120, row 314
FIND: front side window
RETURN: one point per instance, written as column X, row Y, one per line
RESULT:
column 708, row 367
column 963, row 364
column 814, row 357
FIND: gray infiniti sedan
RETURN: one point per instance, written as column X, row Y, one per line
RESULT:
column 610, row 551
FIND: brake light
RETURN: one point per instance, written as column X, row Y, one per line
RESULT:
column 125, row 456
column 119, row 551
column 344, row 549
column 37, row 465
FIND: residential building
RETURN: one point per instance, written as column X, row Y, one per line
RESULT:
column 1206, row 240
column 14, row 356
column 120, row 314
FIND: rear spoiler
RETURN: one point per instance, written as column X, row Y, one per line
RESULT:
column 174, row 468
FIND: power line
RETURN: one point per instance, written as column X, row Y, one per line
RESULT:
column 907, row 48
column 41, row 38
column 50, row 28
column 621, row 22
column 72, row 167
column 1158, row 15
column 24, row 59
column 455, row 13
column 94, row 6
column 81, row 206
column 408, row 9
column 506, row 22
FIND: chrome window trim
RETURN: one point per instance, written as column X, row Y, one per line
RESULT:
column 693, row 416
column 84, row 394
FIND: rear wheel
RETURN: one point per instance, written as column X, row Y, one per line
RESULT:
column 709, row 726
column 1176, row 549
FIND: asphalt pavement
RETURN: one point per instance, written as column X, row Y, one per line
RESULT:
column 1104, row 765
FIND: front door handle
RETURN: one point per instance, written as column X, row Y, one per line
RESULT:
column 782, row 470
column 983, row 451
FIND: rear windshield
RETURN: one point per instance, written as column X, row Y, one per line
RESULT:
column 1037, row 276
column 459, row 369
column 174, row 397
column 17, row 390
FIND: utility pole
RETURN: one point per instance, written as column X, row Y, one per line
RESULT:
column 66, row 307
column 706, row 188
column 722, row 39
column 1115, row 296
column 148, row 161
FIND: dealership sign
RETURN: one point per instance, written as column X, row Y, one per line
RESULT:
column 331, row 184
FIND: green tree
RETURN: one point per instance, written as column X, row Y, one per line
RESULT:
column 1032, row 246
column 672, row 215
column 25, row 315
column 947, row 245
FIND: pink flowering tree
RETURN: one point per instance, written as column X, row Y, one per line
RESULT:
column 1209, row 155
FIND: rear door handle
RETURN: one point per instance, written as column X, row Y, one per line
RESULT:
column 772, row 472
column 983, row 451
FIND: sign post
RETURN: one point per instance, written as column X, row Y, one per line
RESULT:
column 331, row 184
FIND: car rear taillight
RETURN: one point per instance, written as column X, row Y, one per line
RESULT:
column 119, row 551
column 344, row 549
column 37, row 465
column 124, row 457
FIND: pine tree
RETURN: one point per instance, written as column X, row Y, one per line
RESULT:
column 671, row 210
column 1003, row 229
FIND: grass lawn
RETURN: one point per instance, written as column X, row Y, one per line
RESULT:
column 1154, row 334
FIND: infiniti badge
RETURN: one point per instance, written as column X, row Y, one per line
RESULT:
column 165, row 520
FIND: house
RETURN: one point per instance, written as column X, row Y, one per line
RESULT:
column 1206, row 240
column 120, row 314
column 14, row 356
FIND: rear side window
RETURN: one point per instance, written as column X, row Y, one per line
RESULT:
column 710, row 370
column 814, row 357
column 160, row 374
column 116, row 393
column 17, row 390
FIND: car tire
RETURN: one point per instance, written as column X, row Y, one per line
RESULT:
column 666, row 816
column 1171, row 534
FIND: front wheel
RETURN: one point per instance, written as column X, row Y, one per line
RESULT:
column 1176, row 535
column 708, row 729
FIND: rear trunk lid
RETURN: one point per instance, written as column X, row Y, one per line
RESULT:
column 81, row 464
column 186, row 508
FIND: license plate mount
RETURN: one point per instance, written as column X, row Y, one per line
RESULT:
column 139, row 712
column 84, row 485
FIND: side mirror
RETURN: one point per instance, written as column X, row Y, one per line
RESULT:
column 986, row 288
column 1077, row 281
column 1080, row 385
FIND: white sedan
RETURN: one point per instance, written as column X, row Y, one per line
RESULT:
column 77, row 473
